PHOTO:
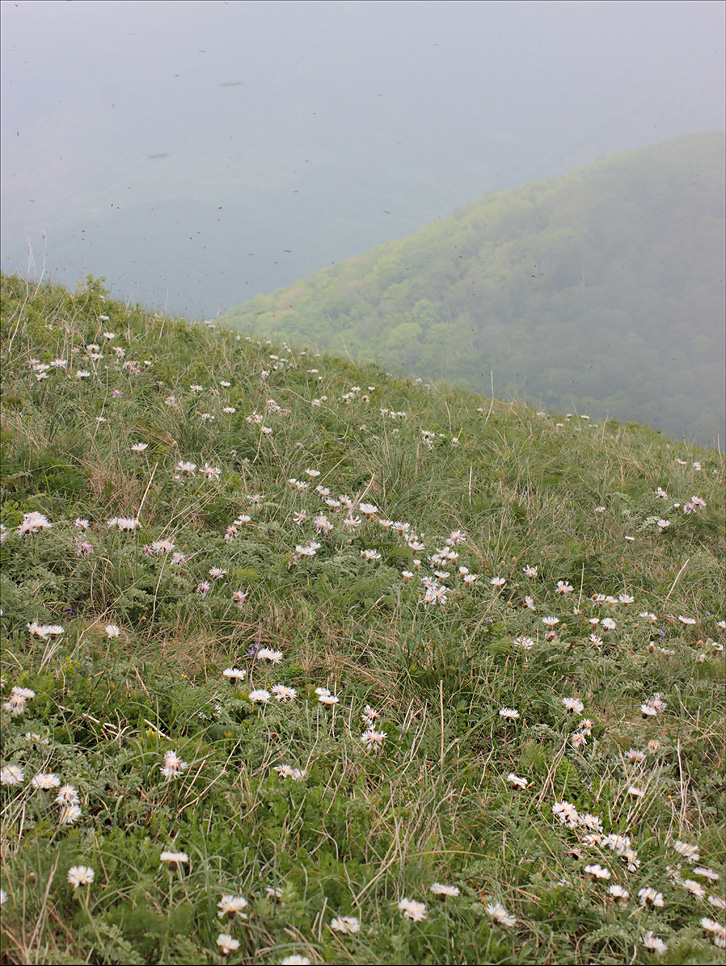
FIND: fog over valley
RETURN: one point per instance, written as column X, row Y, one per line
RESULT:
column 196, row 155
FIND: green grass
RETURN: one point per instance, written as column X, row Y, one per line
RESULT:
column 364, row 827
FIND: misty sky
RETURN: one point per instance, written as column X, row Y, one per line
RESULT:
column 195, row 154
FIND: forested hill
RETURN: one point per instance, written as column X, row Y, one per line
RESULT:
column 600, row 291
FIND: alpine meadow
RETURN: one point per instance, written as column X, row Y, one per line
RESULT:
column 600, row 291
column 304, row 662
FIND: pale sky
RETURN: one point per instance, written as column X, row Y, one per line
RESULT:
column 199, row 153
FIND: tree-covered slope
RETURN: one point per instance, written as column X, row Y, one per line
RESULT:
column 601, row 290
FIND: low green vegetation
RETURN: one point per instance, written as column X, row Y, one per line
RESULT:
column 302, row 662
column 600, row 291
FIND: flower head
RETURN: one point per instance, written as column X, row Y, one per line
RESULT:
column 413, row 910
column 227, row 944
column 500, row 915
column 231, row 906
column 79, row 875
column 346, row 924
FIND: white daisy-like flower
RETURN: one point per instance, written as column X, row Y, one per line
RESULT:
column 139, row 447
column 227, row 944
column 174, row 859
column 234, row 674
column 695, row 888
column 287, row 771
column 563, row 587
column 550, row 621
column 689, row 852
column 259, row 696
column 608, row 624
column 295, row 960
column 69, row 814
column 497, row 581
column 413, row 910
column 328, row 699
column 67, row 795
column 112, row 630
column 653, row 944
column 500, row 915
column 283, row 693
column 650, row 897
column 266, row 654
column 443, row 890
column 573, row 704
column 173, row 765
column 11, row 775
column 526, row 643
column 346, row 924
column 45, row 781
column 706, row 873
column 511, row 714
column 530, row 572
column 373, row 740
column 516, row 780
column 619, row 892
column 80, row 875
column 566, row 813
column 597, row 871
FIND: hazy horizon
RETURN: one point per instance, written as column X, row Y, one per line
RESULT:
column 196, row 154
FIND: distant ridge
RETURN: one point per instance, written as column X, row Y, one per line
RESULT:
column 601, row 290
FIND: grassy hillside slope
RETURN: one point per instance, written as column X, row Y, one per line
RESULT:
column 602, row 291
column 305, row 663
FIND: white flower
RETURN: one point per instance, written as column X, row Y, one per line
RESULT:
column 530, row 572
column 173, row 765
column 500, row 915
column 618, row 892
column 509, row 713
column 259, row 696
column 497, row 581
column 79, row 875
column 45, row 781
column 283, row 693
column 516, row 780
column 597, row 871
column 266, row 654
column 440, row 889
column 654, row 944
column 295, row 960
column 413, row 910
column 689, row 852
column 573, row 704
column 346, row 924
column 550, row 621
column 139, row 447
column 373, row 740
column 69, row 814
column 112, row 630
column 227, row 944
column 174, row 858
column 649, row 896
column 67, row 795
column 286, row 771
column 234, row 674
column 695, row 888
column 564, row 588
column 11, row 775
